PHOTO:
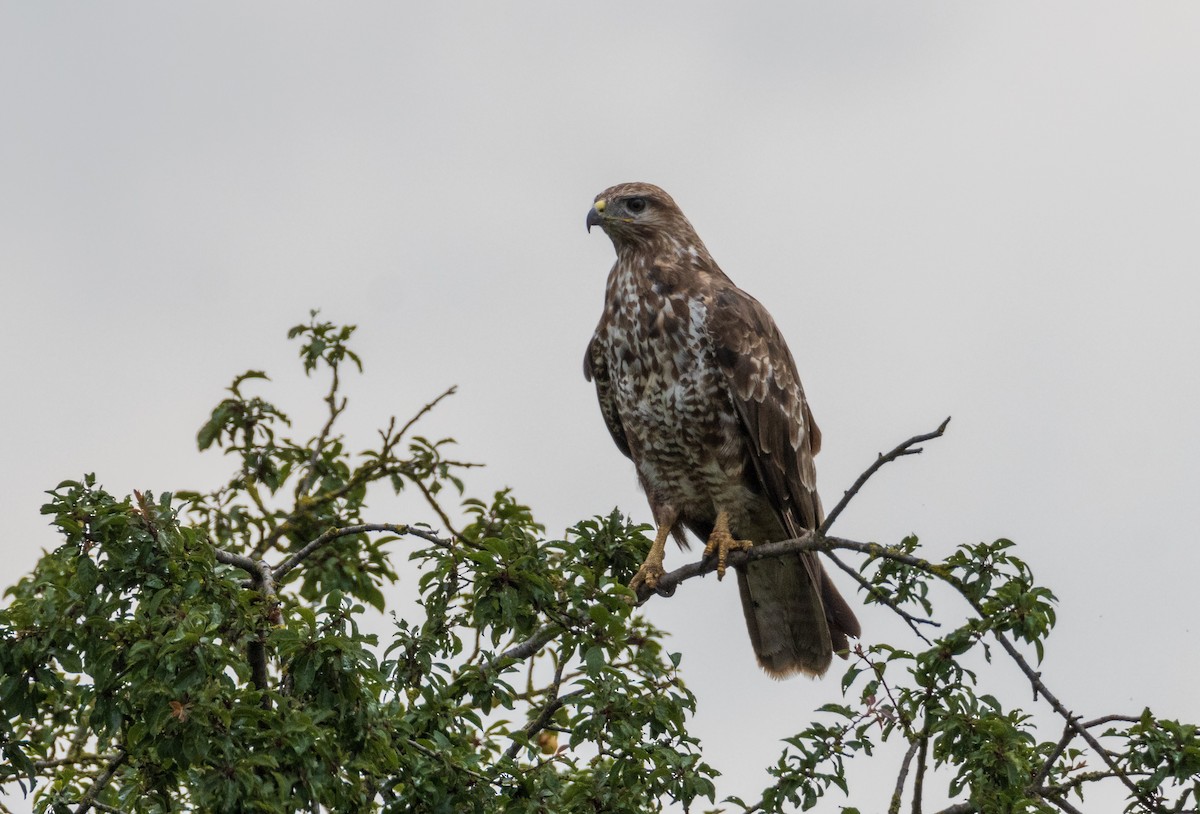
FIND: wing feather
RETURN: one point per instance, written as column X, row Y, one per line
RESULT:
column 595, row 370
column 765, row 387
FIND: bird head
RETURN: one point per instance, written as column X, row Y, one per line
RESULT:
column 636, row 213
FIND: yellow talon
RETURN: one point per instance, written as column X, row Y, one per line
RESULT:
column 652, row 569
column 722, row 541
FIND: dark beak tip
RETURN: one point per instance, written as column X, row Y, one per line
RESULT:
column 593, row 219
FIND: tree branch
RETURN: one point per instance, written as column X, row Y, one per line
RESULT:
column 809, row 541
column 437, row 507
column 262, row 579
column 909, row 447
column 523, row 650
column 89, row 797
column 107, row 809
column 1069, row 735
column 813, row 541
column 553, row 702
column 1039, row 687
column 427, row 752
column 922, row 753
column 898, row 794
column 300, row 556
column 1062, row 804
column 450, row 391
column 879, row 596
column 335, row 409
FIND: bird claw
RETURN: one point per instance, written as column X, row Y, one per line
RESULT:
column 722, row 542
column 648, row 575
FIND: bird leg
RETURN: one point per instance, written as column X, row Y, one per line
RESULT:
column 652, row 569
column 723, row 542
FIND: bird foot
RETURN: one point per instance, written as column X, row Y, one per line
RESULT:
column 649, row 574
column 722, row 542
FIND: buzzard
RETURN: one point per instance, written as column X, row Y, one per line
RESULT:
column 699, row 389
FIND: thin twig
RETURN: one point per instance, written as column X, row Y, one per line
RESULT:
column 1078, row 780
column 1069, row 735
column 553, row 702
column 295, row 559
column 437, row 507
column 54, row 763
column 909, row 447
column 425, row 750
column 912, row 620
column 1062, row 804
column 450, row 391
column 335, row 410
column 1039, row 687
column 107, row 809
column 363, row 475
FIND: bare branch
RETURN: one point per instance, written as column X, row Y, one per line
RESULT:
column 812, row 541
column 523, row 650
column 248, row 564
column 909, row 447
column 1039, row 687
column 1069, row 735
column 922, row 754
column 809, row 541
column 300, row 556
column 450, row 391
column 553, row 702
column 1061, row 803
column 262, row 579
column 442, row 757
column 912, row 620
column 8, row 770
column 89, row 797
column 898, row 794
column 335, row 409
column 107, row 809
column 437, row 507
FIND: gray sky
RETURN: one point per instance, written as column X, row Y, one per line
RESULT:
column 988, row 212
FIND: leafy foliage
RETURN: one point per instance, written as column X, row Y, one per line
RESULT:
column 207, row 651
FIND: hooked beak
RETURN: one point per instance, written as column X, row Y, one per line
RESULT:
column 595, row 216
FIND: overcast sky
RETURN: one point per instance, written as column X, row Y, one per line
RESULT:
column 985, row 211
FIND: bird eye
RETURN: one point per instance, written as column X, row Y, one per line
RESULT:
column 636, row 205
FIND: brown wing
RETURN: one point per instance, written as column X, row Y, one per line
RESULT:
column 780, row 605
column 766, row 391
column 595, row 370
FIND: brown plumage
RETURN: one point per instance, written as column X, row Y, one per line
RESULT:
column 698, row 388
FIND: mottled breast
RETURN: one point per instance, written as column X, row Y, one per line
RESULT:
column 672, row 397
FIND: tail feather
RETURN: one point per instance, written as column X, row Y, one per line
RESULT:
column 794, row 614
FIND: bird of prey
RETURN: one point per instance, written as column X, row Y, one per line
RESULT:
column 699, row 389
